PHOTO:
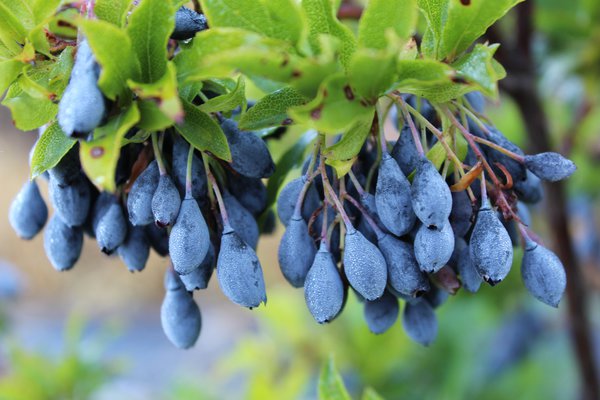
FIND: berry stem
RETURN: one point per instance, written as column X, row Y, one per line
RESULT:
column 324, row 225
column 329, row 191
column 298, row 207
column 211, row 195
column 503, row 203
column 411, row 125
column 365, row 214
column 215, row 186
column 356, row 183
column 188, row 173
column 158, row 154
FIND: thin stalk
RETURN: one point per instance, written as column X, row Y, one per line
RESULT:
column 411, row 125
column 188, row 174
column 333, row 197
column 158, row 155
column 484, row 196
column 324, row 225
column 300, row 201
column 356, row 183
column 222, row 209
column 313, row 158
column 365, row 214
column 206, row 163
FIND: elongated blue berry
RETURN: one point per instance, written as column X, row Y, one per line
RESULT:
column 189, row 239
column 139, row 201
column 490, row 247
column 288, row 197
column 62, row 243
column 239, row 271
column 543, row 274
column 134, row 251
column 109, row 224
column 71, row 202
column 165, row 202
column 179, row 314
column 550, row 166
column 241, row 220
column 382, row 313
column 431, row 198
column 187, row 23
column 434, row 248
column 404, row 274
column 392, row 198
column 420, row 322
column 364, row 266
column 249, row 153
column 199, row 278
column 323, row 287
column 296, row 252
column 28, row 211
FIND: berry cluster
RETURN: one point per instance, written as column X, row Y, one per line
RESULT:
column 398, row 225
column 410, row 232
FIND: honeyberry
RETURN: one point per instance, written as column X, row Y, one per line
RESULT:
column 62, row 243
column 288, row 197
column 419, row 322
column 134, row 251
column 433, row 248
column 249, row 153
column 110, row 226
column 139, row 201
column 189, row 239
column 241, row 220
column 71, row 202
column 543, row 274
column 28, row 211
column 323, row 287
column 405, row 152
column 199, row 278
column 165, row 202
column 179, row 314
column 296, row 252
column 187, row 23
column 364, row 265
column 430, row 195
column 550, row 166
column 382, row 313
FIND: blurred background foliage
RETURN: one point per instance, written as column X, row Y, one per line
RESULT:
column 501, row 345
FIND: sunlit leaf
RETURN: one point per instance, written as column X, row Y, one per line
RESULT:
column 50, row 148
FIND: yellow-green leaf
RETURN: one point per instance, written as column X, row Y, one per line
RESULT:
column 271, row 110
column 381, row 16
column 50, row 148
column 99, row 157
column 352, row 141
column 331, row 386
column 228, row 101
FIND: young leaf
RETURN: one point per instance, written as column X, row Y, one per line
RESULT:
column 12, row 31
column 99, row 157
column 352, row 141
column 50, row 148
column 202, row 132
column 21, row 104
column 331, row 386
column 149, row 28
column 271, row 110
column 163, row 92
column 229, row 101
column 113, row 51
column 322, row 21
column 479, row 67
column 113, row 11
column 372, row 72
column 336, row 107
column 151, row 117
column 9, row 70
column 383, row 15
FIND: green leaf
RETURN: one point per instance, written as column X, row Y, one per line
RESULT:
column 21, row 105
column 453, row 25
column 287, row 21
column 113, row 11
column 163, row 92
column 12, row 31
column 380, row 16
column 150, row 25
column 113, row 51
column 99, row 157
column 431, row 79
column 151, row 117
column 352, row 141
column 466, row 23
column 371, row 394
column 229, row 101
column 341, row 167
column 220, row 52
column 331, row 386
column 202, row 132
column 50, row 148
column 322, row 21
column 9, row 70
column 272, row 109
column 479, row 67
column 372, row 73
column 335, row 109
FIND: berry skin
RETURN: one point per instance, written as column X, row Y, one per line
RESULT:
column 381, row 314
column 420, row 322
column 134, row 251
column 364, row 266
column 286, row 202
column 323, row 287
column 430, row 195
column 187, row 23
column 543, row 274
column 72, row 202
column 392, row 198
column 490, row 247
column 108, row 222
column 198, row 279
column 241, row 220
column 62, row 243
column 550, row 166
column 433, row 248
column 28, row 211
column 405, row 152
column 82, row 108
column 239, row 271
column 179, row 314
column 189, row 239
column 404, row 275
column 249, row 153
column 139, row 201
column 165, row 202
column 296, row 252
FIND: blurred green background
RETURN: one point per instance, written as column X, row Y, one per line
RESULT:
column 94, row 332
